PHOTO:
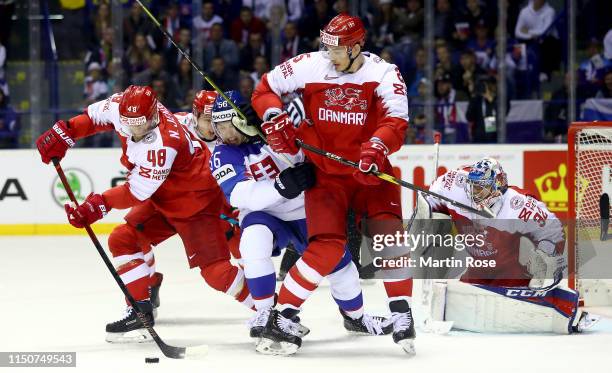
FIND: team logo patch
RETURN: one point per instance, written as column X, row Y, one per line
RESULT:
column 150, row 138
column 460, row 180
column 347, row 98
column 517, row 202
column 224, row 173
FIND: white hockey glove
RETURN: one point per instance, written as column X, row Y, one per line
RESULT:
column 545, row 266
column 296, row 112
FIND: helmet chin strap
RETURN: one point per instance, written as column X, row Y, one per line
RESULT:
column 349, row 52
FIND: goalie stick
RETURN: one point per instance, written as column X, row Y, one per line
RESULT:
column 604, row 212
column 172, row 352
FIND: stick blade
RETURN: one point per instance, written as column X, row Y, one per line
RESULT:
column 173, row 352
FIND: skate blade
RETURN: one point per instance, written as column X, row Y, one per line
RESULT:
column 589, row 322
column 408, row 346
column 270, row 347
column 133, row 336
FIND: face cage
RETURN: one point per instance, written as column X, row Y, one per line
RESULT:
column 486, row 193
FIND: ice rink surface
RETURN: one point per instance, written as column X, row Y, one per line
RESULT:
column 57, row 295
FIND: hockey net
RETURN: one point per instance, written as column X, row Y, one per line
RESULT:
column 590, row 176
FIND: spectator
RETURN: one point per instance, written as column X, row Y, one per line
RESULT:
column 443, row 56
column 136, row 23
column 591, row 71
column 219, row 74
column 443, row 20
column 96, row 88
column 256, row 47
column 205, row 21
column 341, row 6
column 291, row 43
column 606, row 90
column 7, row 10
column 482, row 113
column 482, row 45
column 260, row 67
column 2, row 60
column 446, row 110
column 420, row 58
column 556, row 115
column 387, row 56
column 261, row 8
column 465, row 74
column 218, row 46
column 410, row 23
column 184, row 78
column 247, row 86
column 415, row 134
column 102, row 20
column 102, row 53
column 173, row 56
column 608, row 45
column 276, row 17
column 71, row 30
column 186, row 104
column 314, row 21
column 245, row 25
column 137, row 57
column 532, row 27
column 155, row 71
column 171, row 22
column 383, row 24
column 9, row 128
column 475, row 12
column 168, row 100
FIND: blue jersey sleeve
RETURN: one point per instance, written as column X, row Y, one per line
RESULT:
column 228, row 168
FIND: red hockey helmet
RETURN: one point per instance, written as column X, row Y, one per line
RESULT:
column 138, row 106
column 343, row 30
column 203, row 102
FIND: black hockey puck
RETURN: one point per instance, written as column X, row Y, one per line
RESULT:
column 151, row 360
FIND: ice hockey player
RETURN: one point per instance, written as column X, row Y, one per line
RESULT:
column 170, row 189
column 356, row 107
column 199, row 120
column 269, row 195
column 508, row 297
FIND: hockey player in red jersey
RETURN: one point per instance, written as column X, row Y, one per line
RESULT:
column 199, row 121
column 507, row 296
column 356, row 107
column 170, row 189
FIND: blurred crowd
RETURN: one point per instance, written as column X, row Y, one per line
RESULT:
column 237, row 38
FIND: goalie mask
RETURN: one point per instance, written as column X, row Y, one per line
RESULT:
column 229, row 127
column 486, row 182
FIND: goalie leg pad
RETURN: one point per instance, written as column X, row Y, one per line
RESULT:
column 481, row 308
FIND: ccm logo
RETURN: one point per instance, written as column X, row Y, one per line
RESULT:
column 525, row 293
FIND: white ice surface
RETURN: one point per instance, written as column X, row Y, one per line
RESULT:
column 57, row 295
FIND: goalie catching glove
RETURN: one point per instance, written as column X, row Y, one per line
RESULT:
column 91, row 210
column 546, row 266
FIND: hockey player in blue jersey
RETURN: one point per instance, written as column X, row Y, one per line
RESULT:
column 269, row 194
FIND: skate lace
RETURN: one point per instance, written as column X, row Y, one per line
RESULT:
column 288, row 326
column 401, row 320
column 126, row 313
column 260, row 318
column 373, row 324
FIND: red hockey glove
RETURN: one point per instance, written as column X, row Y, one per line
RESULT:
column 372, row 158
column 54, row 142
column 91, row 210
column 280, row 134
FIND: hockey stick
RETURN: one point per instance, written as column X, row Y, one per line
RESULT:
column 247, row 129
column 168, row 351
column 391, row 179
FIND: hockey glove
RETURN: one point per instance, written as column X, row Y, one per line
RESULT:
column 91, row 210
column 372, row 158
column 546, row 266
column 280, row 134
column 296, row 112
column 54, row 142
column 294, row 180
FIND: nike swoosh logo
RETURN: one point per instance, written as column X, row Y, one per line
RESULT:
column 330, row 77
column 191, row 256
column 394, row 204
